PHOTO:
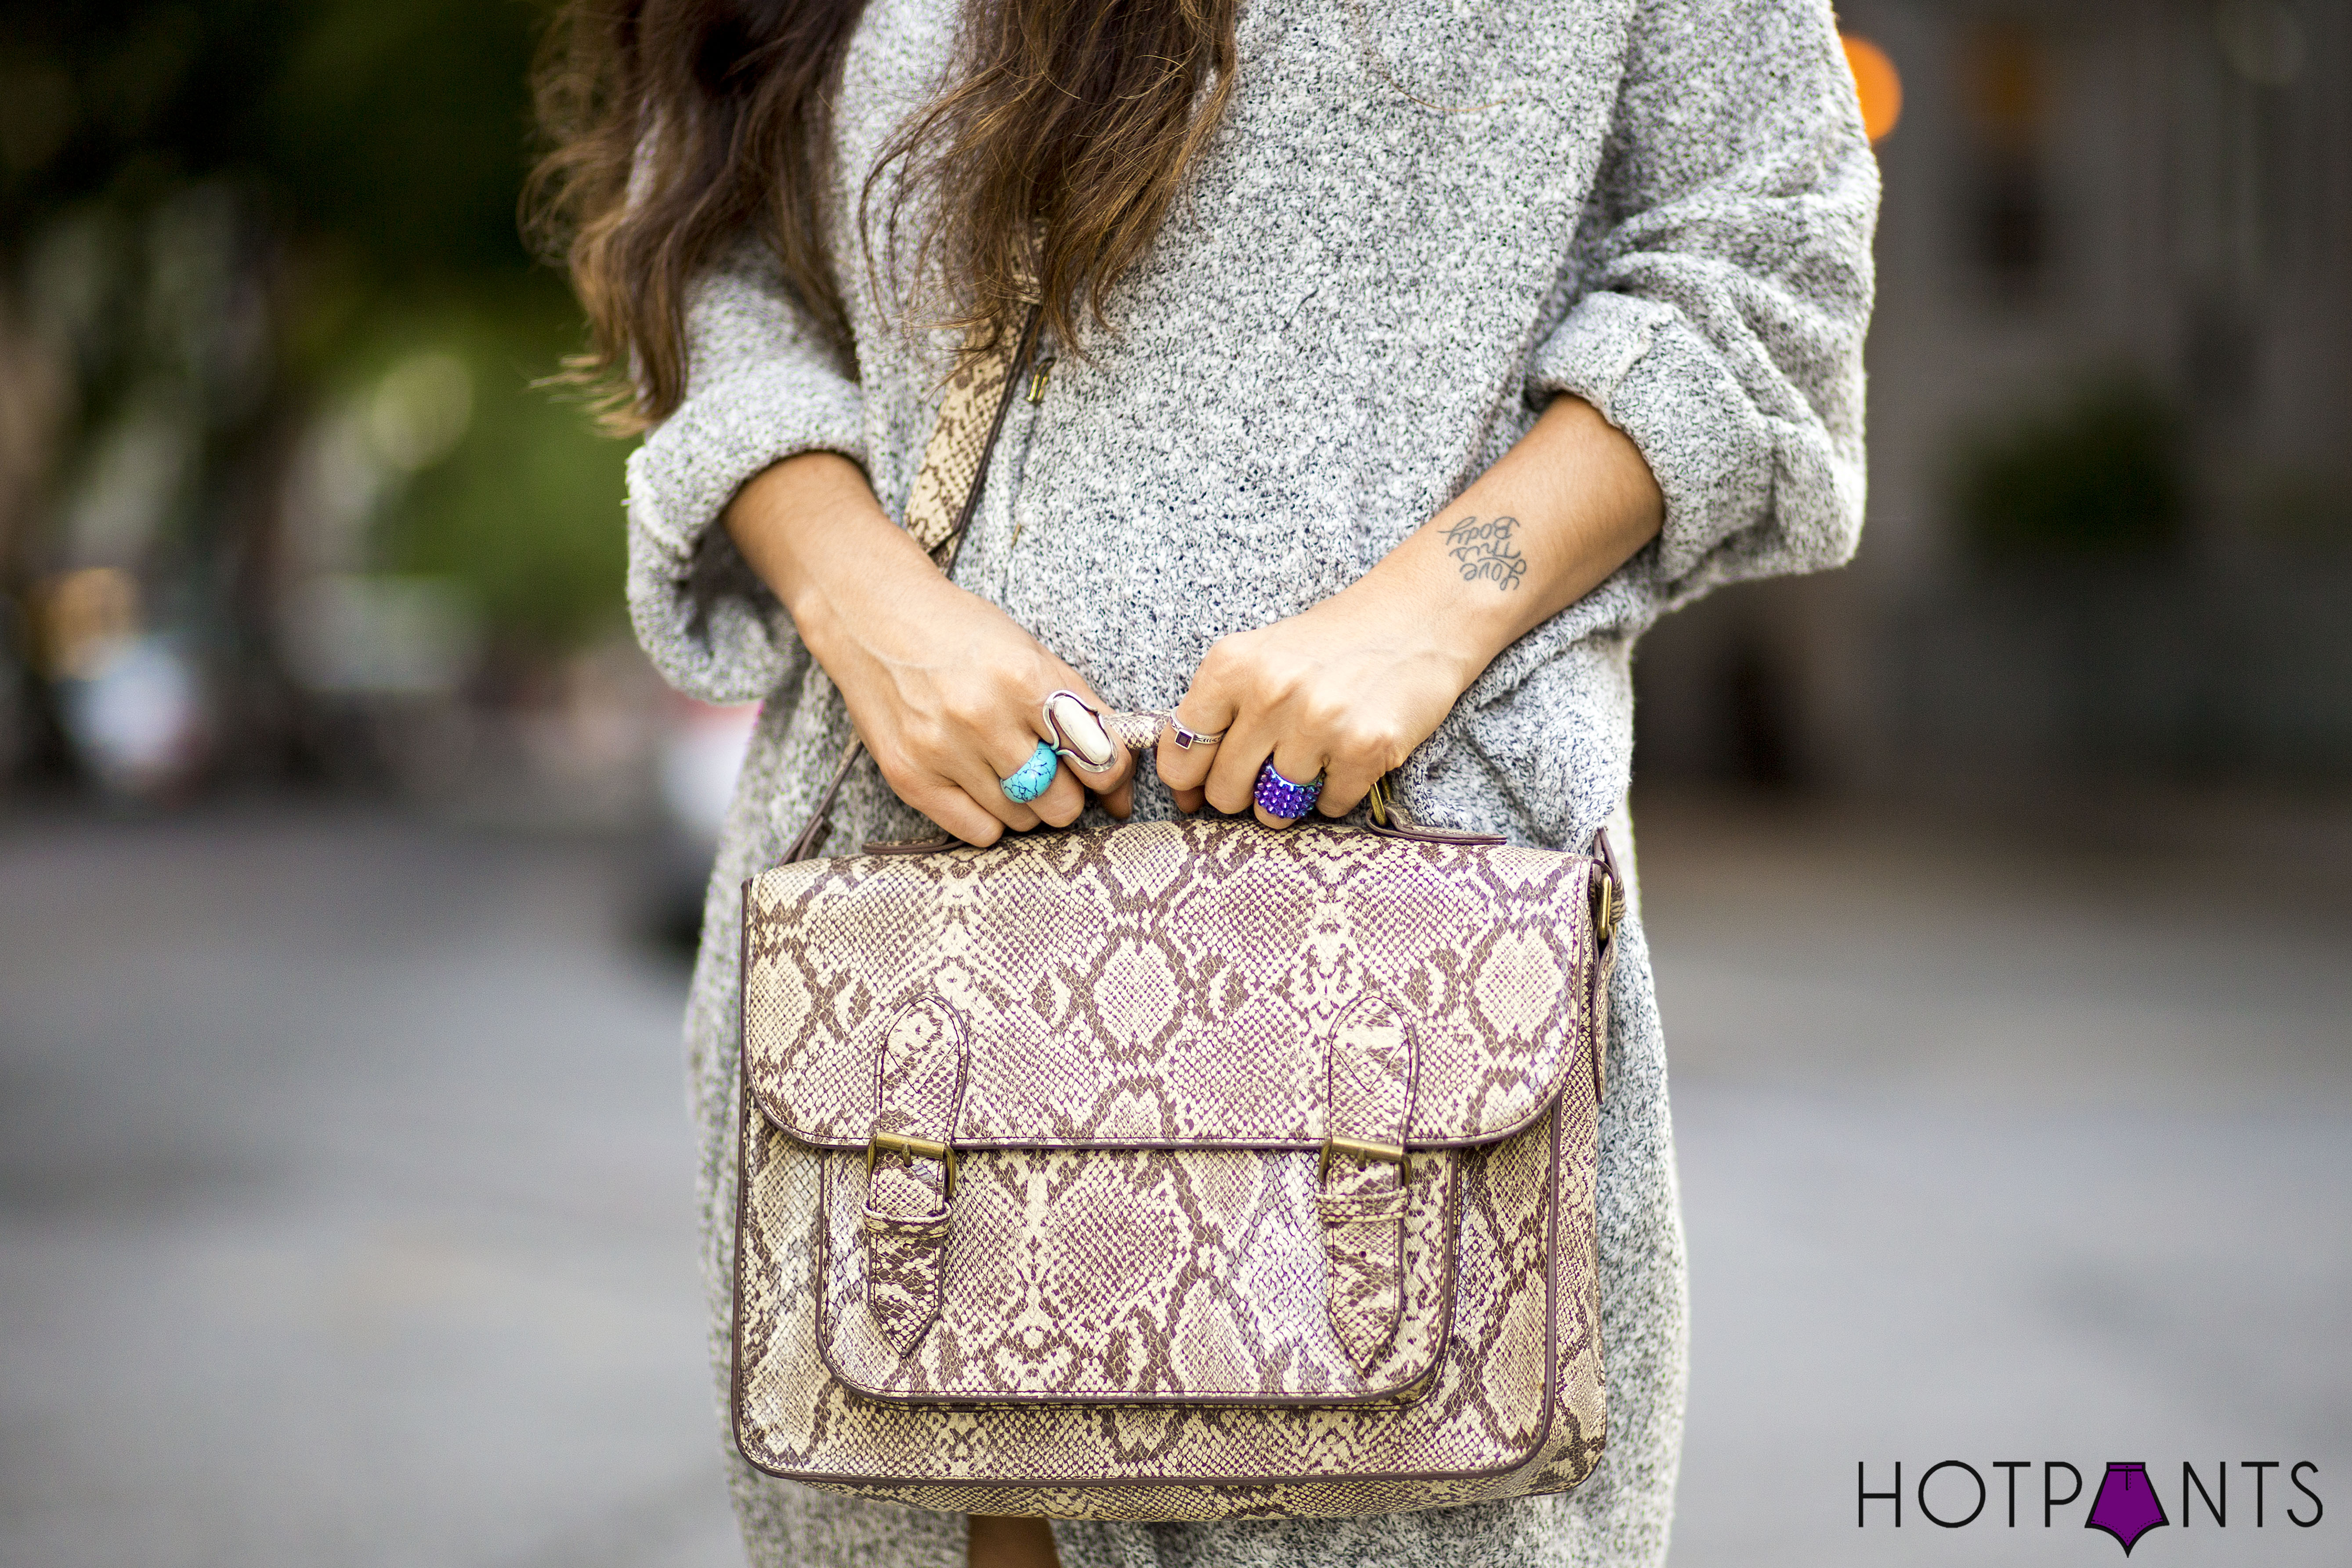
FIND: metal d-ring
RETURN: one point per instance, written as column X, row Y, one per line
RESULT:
column 1363, row 1149
column 914, row 1148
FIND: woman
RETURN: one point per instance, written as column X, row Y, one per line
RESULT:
column 1400, row 364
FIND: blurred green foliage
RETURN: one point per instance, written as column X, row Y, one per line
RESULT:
column 526, row 511
column 2099, row 476
column 376, row 148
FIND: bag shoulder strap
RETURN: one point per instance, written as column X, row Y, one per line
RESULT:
column 947, row 492
column 955, row 459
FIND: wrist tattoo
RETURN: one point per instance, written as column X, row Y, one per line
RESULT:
column 1482, row 552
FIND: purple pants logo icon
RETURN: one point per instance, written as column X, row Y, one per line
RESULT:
column 2126, row 1507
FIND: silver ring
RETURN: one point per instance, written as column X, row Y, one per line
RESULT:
column 1187, row 739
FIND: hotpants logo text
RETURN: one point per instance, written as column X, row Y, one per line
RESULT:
column 2127, row 1503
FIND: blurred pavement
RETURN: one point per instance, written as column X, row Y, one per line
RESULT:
column 346, row 1204
column 346, row 1188
column 2007, row 1151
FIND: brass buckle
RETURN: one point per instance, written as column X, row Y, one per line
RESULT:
column 1392, row 1152
column 1606, row 906
column 913, row 1148
column 1376, row 801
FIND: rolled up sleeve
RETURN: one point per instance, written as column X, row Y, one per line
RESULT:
column 761, row 384
column 1720, row 285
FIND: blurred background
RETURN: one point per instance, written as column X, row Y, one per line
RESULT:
column 2000, row 885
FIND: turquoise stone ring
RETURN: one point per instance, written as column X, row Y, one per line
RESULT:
column 1032, row 779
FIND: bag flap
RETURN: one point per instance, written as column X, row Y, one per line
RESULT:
column 1169, row 985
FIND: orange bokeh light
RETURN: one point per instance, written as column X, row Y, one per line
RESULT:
column 1879, row 86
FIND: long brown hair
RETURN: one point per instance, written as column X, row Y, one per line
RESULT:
column 676, row 125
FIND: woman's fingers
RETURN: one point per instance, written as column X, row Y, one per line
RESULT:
column 953, row 697
column 1063, row 721
column 1305, row 713
column 1211, row 706
column 1184, row 769
column 1232, row 776
column 1120, row 802
column 980, row 782
column 1363, row 747
column 1206, row 710
column 1347, row 780
column 1226, row 699
column 956, row 810
column 1063, row 801
column 1072, row 716
column 983, row 794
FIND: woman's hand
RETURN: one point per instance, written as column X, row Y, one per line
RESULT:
column 945, row 690
column 1349, row 687
column 1346, row 690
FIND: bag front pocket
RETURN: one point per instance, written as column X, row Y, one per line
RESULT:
column 1138, row 1276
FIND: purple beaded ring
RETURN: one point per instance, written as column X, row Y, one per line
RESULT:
column 1281, row 798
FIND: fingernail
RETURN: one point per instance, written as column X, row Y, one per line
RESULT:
column 1080, row 728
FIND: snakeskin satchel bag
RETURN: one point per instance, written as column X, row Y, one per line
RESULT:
column 1173, row 1170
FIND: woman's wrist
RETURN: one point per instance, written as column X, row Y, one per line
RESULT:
column 812, row 531
column 852, row 604
column 1546, row 525
column 943, row 688
column 1345, row 691
column 1422, row 620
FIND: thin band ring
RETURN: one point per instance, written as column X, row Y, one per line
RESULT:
column 1286, row 798
column 1033, row 777
column 1187, row 739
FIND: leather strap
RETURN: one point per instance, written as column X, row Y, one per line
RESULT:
column 940, row 508
column 955, row 459
column 911, row 1167
column 1608, row 918
column 1370, row 1068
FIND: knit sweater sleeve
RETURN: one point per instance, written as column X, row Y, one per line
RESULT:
column 761, row 384
column 1719, row 285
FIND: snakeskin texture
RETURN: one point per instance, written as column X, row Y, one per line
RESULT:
column 1168, row 983
column 1138, row 730
column 1149, row 1296
column 919, row 1090
column 1370, row 1071
column 957, row 444
column 1152, row 1275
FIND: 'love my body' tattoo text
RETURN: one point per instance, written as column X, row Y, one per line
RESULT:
column 1482, row 552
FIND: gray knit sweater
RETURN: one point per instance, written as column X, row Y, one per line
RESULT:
column 1419, row 219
